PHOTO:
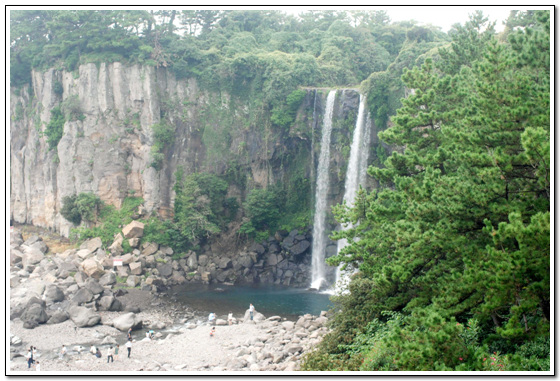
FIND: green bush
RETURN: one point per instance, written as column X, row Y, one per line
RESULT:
column 261, row 208
column 55, row 127
column 84, row 206
column 110, row 221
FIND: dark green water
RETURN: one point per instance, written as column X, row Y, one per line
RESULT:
column 286, row 302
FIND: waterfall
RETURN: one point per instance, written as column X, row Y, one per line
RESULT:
column 355, row 175
column 321, row 191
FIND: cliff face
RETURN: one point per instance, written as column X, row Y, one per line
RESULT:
column 108, row 149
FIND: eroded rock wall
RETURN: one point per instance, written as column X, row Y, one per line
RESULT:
column 107, row 149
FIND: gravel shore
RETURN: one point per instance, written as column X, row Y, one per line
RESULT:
column 186, row 348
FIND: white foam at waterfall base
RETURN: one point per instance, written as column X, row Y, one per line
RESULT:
column 321, row 191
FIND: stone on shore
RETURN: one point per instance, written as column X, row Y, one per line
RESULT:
column 126, row 321
column 83, row 317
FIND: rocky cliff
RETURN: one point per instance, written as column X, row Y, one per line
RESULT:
column 107, row 150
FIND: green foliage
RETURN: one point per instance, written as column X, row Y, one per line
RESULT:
column 57, row 88
column 71, row 108
column 459, row 228
column 261, row 208
column 284, row 116
column 164, row 134
column 81, row 207
column 200, row 211
column 55, row 127
column 110, row 221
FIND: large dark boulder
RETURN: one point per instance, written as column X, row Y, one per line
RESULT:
column 300, row 247
column 165, row 270
column 94, row 286
column 110, row 303
column 109, row 278
column 35, row 300
column 35, row 312
column 83, row 295
column 58, row 317
column 53, row 294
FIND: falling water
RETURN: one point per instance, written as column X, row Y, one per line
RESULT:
column 321, row 191
column 355, row 175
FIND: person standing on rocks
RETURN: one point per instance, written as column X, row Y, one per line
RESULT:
column 128, row 346
column 62, row 352
column 110, row 354
column 230, row 318
column 117, row 352
column 29, row 357
column 251, row 310
column 129, row 334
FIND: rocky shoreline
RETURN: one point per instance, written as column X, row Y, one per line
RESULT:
column 57, row 299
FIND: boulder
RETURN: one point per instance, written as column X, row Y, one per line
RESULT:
column 294, row 349
column 92, row 268
column 31, row 256
column 116, row 246
column 203, row 260
column 58, row 317
column 92, row 244
column 31, row 240
column 246, row 261
column 133, row 230
column 165, row 270
column 192, row 262
column 80, row 278
column 221, row 322
column 321, row 321
column 41, row 246
column 271, row 260
column 126, row 321
column 135, row 268
column 82, row 296
column 225, row 263
column 300, row 247
column 110, row 303
column 150, row 249
column 67, row 253
column 53, row 294
column 84, row 254
column 15, row 237
column 133, row 242
column 127, row 259
column 94, row 286
column 83, row 317
column 257, row 248
column 288, row 325
column 133, row 280
column 109, row 278
column 123, row 271
column 35, row 313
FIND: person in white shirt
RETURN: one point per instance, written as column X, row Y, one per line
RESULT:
column 62, row 352
column 110, row 354
column 251, row 310
column 128, row 346
column 212, row 318
column 230, row 318
column 38, row 367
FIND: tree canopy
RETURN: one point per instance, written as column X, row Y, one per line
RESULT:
column 453, row 248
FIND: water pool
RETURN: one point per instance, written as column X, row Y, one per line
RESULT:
column 268, row 300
